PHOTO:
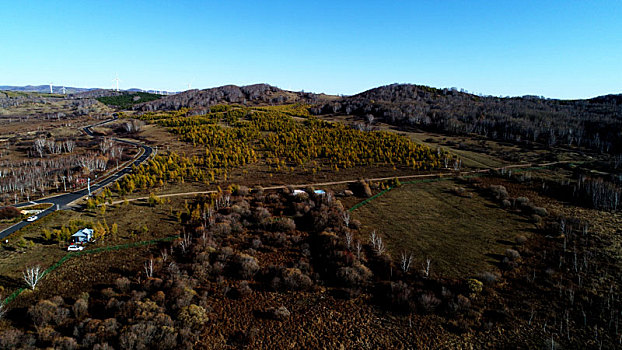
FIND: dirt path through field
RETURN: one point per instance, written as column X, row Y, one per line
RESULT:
column 331, row 183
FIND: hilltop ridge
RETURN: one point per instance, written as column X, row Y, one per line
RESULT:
column 249, row 95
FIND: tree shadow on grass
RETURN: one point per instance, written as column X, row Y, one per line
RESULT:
column 11, row 282
column 505, row 242
column 496, row 259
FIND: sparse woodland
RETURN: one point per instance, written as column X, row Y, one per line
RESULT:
column 56, row 166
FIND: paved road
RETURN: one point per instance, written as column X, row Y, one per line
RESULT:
column 62, row 200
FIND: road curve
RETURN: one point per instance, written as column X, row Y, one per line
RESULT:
column 62, row 200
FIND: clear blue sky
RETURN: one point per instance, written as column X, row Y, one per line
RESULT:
column 561, row 49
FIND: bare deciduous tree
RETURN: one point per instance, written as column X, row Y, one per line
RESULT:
column 426, row 267
column 348, row 239
column 406, row 260
column 149, row 268
column 39, row 146
column 372, row 238
column 185, row 243
column 380, row 247
column 359, row 247
column 53, row 146
column 105, row 145
column 69, row 145
column 133, row 126
column 346, row 218
column 116, row 151
column 377, row 243
column 32, row 276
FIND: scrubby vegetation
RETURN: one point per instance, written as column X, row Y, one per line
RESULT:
column 228, row 249
column 238, row 245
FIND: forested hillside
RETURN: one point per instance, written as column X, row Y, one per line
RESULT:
column 258, row 94
column 594, row 123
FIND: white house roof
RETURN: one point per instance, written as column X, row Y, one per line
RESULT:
column 83, row 233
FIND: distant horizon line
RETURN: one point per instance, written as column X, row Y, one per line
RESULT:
column 462, row 90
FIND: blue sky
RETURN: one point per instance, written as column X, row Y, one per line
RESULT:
column 560, row 49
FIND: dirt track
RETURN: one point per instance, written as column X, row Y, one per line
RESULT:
column 434, row 175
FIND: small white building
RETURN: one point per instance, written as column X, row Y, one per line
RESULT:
column 82, row 236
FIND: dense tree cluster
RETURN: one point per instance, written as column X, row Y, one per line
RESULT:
column 345, row 147
column 601, row 194
column 59, row 108
column 583, row 189
column 55, row 166
column 126, row 100
column 567, row 269
column 26, row 178
column 284, row 136
column 160, row 169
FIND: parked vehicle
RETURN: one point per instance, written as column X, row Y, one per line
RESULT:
column 32, row 218
column 75, row 248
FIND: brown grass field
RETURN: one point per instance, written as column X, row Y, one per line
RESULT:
column 463, row 236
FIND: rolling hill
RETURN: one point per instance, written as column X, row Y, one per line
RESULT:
column 257, row 94
column 594, row 123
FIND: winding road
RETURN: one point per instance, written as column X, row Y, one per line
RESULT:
column 62, row 200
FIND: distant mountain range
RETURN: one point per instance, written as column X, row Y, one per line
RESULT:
column 44, row 89
column 58, row 89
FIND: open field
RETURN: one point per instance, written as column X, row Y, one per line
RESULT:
column 463, row 236
column 156, row 135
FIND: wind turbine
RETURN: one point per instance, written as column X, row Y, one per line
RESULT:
column 64, row 91
column 51, row 91
column 190, row 84
column 117, row 81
